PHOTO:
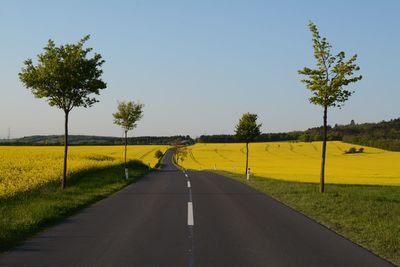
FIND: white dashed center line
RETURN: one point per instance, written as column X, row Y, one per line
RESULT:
column 190, row 214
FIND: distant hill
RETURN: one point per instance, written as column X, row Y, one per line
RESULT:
column 43, row 140
column 384, row 134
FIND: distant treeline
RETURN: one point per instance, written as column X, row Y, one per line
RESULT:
column 385, row 135
column 54, row 140
column 265, row 137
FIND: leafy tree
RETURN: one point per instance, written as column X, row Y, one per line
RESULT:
column 181, row 154
column 66, row 77
column 127, row 116
column 327, row 81
column 246, row 131
column 158, row 155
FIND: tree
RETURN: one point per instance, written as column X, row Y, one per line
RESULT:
column 66, row 77
column 127, row 116
column 246, row 131
column 158, row 154
column 327, row 81
column 181, row 153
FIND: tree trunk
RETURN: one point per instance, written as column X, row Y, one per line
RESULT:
column 125, row 165
column 324, row 137
column 247, row 157
column 64, row 179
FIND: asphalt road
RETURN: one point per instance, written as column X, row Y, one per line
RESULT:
column 172, row 218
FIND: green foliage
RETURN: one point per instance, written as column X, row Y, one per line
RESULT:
column 383, row 135
column 331, row 74
column 181, row 154
column 353, row 150
column 51, row 140
column 128, row 114
column 247, row 129
column 264, row 137
column 65, row 75
column 158, row 155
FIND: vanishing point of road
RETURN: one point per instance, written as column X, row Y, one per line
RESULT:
column 193, row 218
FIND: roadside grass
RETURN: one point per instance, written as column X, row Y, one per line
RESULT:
column 27, row 213
column 367, row 215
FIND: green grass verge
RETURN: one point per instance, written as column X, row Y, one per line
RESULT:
column 367, row 215
column 30, row 212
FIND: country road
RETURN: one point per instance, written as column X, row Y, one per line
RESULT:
column 176, row 218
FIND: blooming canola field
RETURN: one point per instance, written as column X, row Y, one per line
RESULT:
column 299, row 161
column 25, row 167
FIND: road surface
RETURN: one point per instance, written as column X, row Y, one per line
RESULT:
column 172, row 218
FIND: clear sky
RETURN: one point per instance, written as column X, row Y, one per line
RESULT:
column 198, row 65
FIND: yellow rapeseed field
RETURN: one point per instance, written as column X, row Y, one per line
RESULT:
column 25, row 167
column 298, row 161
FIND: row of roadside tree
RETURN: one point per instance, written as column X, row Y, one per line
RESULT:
column 68, row 77
column 327, row 82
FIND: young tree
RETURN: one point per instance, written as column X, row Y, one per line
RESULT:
column 181, row 153
column 158, row 154
column 246, row 131
column 66, row 77
column 326, row 82
column 127, row 116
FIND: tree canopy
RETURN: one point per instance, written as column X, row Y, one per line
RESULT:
column 247, row 129
column 128, row 114
column 65, row 75
column 332, row 72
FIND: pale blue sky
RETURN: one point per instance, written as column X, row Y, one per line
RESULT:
column 198, row 65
